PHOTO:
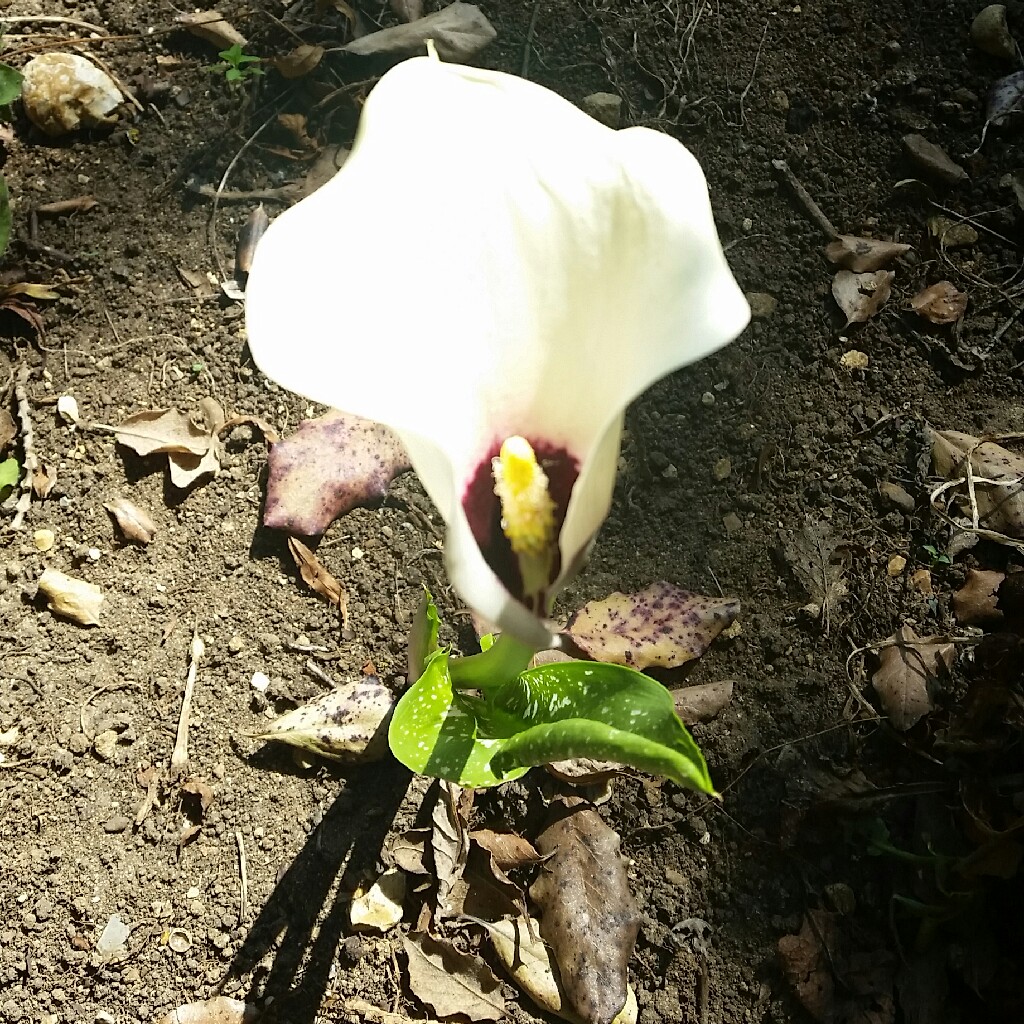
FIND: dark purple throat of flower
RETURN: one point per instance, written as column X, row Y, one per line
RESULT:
column 515, row 504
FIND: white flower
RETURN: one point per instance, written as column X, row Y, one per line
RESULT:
column 490, row 263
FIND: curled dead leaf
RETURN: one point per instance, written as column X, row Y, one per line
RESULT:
column 451, row 982
column 459, row 32
column 976, row 603
column 249, row 235
column 299, row 62
column 318, row 578
column 941, row 303
column 863, row 255
column 133, row 522
column 71, row 598
column 162, row 430
column 212, row 27
column 861, row 296
column 906, row 667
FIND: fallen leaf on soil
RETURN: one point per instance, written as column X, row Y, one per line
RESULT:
column 449, row 840
column 71, row 598
column 379, row 908
column 25, row 311
column 701, row 703
column 407, row 10
column 976, row 603
column 348, row 724
column 863, row 255
column 1005, row 100
column 131, row 520
column 904, row 670
column 508, row 850
column 661, row 626
column 940, row 303
column 590, row 918
column 162, row 430
column 409, row 849
column 451, row 982
column 219, row 1010
column 861, row 296
column 806, row 960
column 459, row 32
column 328, row 466
column 212, row 27
column 249, row 236
column 203, row 795
column 300, row 61
column 585, row 771
column 531, row 965
column 189, row 469
column 811, row 555
column 318, row 578
column 324, row 167
column 999, row 477
column 921, row 581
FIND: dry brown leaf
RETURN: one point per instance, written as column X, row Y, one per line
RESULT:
column 904, row 671
column 806, row 961
column 348, row 724
column 187, row 469
column 212, row 27
column 162, row 430
column 317, row 577
column 450, row 982
column 449, row 842
column 701, row 703
column 976, row 603
column 999, row 477
column 459, row 32
column 811, row 554
column 661, row 626
column 249, row 236
column 508, row 850
column 44, row 478
column 863, row 255
column 270, row 434
column 219, row 1010
column 861, row 296
column 71, row 598
column 940, row 303
column 590, row 918
column 299, row 62
column 407, row 10
column 328, row 466
column 409, row 850
column 131, row 520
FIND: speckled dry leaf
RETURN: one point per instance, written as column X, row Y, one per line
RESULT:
column 508, row 850
column 808, row 965
column 701, row 703
column 976, row 603
column 449, row 842
column 450, row 982
column 316, row 576
column 861, row 296
column 71, row 598
column 589, row 916
column 941, row 303
column 348, row 724
column 863, row 255
column 163, row 430
column 409, row 850
column 459, row 32
column 328, row 466
column 1000, row 498
column 213, row 28
column 219, row 1010
column 811, row 553
column 133, row 522
column 661, row 626
column 903, row 674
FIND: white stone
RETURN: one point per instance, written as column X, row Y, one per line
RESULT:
column 63, row 92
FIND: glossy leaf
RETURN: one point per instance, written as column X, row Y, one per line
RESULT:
column 10, row 84
column 436, row 731
column 607, row 712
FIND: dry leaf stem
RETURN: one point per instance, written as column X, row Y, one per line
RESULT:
column 179, row 756
column 28, row 447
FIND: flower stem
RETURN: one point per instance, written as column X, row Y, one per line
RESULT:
column 491, row 668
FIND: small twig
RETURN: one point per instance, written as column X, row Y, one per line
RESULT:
column 282, row 194
column 179, row 756
column 524, row 71
column 753, row 73
column 53, row 19
column 28, row 447
column 243, row 872
column 811, row 208
column 315, row 670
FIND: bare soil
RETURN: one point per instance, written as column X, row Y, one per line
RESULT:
column 831, row 89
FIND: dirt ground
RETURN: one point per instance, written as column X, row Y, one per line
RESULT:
column 831, row 89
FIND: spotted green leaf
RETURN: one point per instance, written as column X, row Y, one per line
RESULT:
column 607, row 712
column 438, row 731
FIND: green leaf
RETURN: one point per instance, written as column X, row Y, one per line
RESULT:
column 5, row 215
column 231, row 55
column 436, row 731
column 423, row 634
column 608, row 712
column 10, row 471
column 233, row 75
column 10, row 84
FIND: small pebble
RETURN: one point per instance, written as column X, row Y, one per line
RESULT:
column 118, row 823
column 762, row 305
column 933, row 160
column 722, row 469
column 707, row 398
column 605, row 107
column 236, row 645
column 896, row 497
column 105, row 744
column 732, row 523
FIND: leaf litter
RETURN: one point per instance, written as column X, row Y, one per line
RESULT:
column 940, row 303
column 451, row 982
column 863, row 255
column 861, row 296
column 908, row 667
column 811, row 555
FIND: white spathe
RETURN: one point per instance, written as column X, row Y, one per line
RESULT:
column 489, row 262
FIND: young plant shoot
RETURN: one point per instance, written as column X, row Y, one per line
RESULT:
column 549, row 269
